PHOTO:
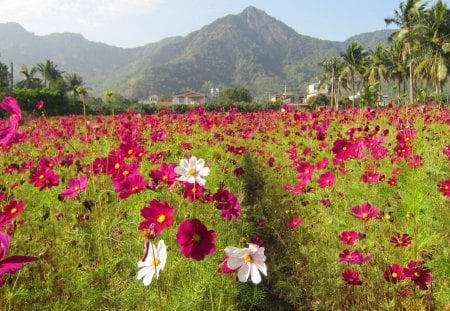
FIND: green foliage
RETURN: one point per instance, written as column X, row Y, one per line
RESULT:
column 4, row 77
column 55, row 103
column 236, row 95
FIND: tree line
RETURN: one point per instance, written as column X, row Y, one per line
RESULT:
column 415, row 62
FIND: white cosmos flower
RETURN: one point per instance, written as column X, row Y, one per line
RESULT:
column 153, row 262
column 192, row 171
column 250, row 262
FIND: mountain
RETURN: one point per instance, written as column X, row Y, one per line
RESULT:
column 250, row 49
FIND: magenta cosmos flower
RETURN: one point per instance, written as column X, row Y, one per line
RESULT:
column 349, row 237
column 326, row 180
column 10, row 264
column 351, row 277
column 10, row 104
column 75, row 187
column 354, row 257
column 365, row 211
column 294, row 223
column 401, row 240
column 158, row 216
column 444, row 187
column 195, row 240
column 10, row 211
column 418, row 274
column 394, row 273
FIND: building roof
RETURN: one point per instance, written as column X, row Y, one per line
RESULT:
column 190, row 93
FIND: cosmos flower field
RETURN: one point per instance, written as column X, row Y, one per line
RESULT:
column 226, row 210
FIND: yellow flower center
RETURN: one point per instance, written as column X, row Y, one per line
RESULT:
column 116, row 166
column 13, row 210
column 156, row 262
column 165, row 178
column 41, row 176
column 196, row 237
column 161, row 218
column 191, row 171
column 365, row 215
column 125, row 173
column 130, row 151
column 416, row 274
column 76, row 188
column 394, row 275
column 248, row 258
column 134, row 189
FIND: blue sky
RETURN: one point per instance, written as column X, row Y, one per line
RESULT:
column 132, row 23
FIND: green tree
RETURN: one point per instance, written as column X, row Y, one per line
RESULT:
column 74, row 83
column 435, row 48
column 4, row 77
column 333, row 68
column 29, row 81
column 377, row 67
column 354, row 60
column 49, row 72
column 407, row 19
column 238, row 94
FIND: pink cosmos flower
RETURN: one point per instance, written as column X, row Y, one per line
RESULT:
column 195, row 240
column 10, row 264
column 351, row 277
column 228, row 203
column 40, row 105
column 394, row 273
column 294, row 223
column 10, row 211
column 326, row 180
column 370, row 177
column 354, row 257
column 444, row 187
column 165, row 174
column 418, row 274
column 192, row 192
column 305, row 170
column 44, row 178
column 160, row 214
column 10, row 104
column 223, row 266
column 349, row 237
column 365, row 211
column 75, row 187
column 130, row 185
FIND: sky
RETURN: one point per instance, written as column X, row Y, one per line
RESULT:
column 133, row 23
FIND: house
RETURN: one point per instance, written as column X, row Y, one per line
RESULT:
column 286, row 98
column 316, row 89
column 189, row 97
column 153, row 99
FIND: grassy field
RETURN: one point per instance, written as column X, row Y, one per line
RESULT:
column 351, row 207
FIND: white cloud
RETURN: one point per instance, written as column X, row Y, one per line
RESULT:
column 45, row 16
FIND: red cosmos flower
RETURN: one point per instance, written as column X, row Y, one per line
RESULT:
column 10, row 211
column 418, row 274
column 306, row 171
column 238, row 172
column 406, row 136
column 326, row 180
column 294, row 223
column 125, row 171
column 444, row 187
column 447, row 151
column 159, row 135
column 354, row 257
column 129, row 148
column 351, row 277
column 365, row 211
column 158, row 215
column 10, row 264
column 165, row 174
column 349, row 237
column 75, row 187
column 44, row 178
column 401, row 240
column 394, row 273
column 192, row 192
column 195, row 240
column 392, row 181
column 370, row 177
column 403, row 150
column 114, row 163
column 10, row 105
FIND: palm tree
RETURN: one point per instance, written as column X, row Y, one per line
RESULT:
column 407, row 18
column 49, row 71
column 354, row 60
column 377, row 66
column 74, row 81
column 434, row 61
column 398, row 68
column 29, row 81
column 332, row 71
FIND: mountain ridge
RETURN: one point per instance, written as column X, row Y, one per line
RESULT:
column 250, row 49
